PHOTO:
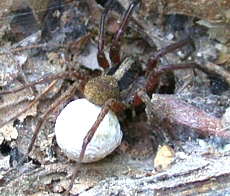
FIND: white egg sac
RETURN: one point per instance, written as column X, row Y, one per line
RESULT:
column 73, row 124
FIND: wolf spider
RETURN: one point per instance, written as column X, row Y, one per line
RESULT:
column 128, row 87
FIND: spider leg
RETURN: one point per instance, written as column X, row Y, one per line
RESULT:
column 110, row 104
column 76, row 85
column 114, row 50
column 16, row 115
column 115, row 47
column 102, row 61
column 152, row 79
column 154, row 58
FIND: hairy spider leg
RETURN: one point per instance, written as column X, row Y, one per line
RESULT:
column 155, row 57
column 101, row 59
column 110, row 104
column 115, row 46
column 19, row 113
column 70, row 91
column 152, row 79
column 103, row 62
column 152, row 73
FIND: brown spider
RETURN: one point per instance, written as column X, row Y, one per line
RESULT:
column 123, row 91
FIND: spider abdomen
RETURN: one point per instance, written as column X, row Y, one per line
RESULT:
column 100, row 89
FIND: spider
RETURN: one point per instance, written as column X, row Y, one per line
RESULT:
column 128, row 87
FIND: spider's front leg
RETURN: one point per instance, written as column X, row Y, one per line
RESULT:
column 115, row 46
column 152, row 73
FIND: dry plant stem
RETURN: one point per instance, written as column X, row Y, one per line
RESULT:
column 45, row 45
column 110, row 104
column 71, row 73
column 179, row 112
column 189, row 116
column 31, row 104
column 70, row 45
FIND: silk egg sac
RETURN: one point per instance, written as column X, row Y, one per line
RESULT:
column 74, row 122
